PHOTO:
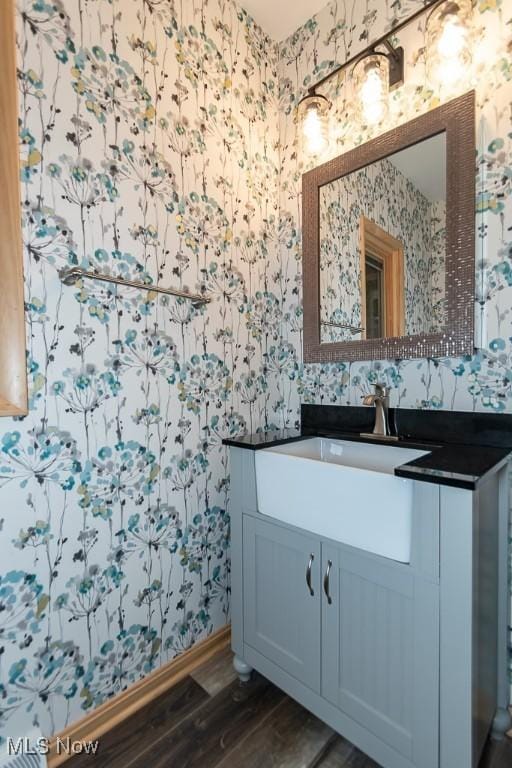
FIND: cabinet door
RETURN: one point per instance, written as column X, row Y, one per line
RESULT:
column 380, row 650
column 281, row 610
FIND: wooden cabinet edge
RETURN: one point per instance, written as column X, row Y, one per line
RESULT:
column 13, row 375
column 10, row 409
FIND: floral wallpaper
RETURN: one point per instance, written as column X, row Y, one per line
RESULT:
column 158, row 142
column 382, row 194
column 148, row 137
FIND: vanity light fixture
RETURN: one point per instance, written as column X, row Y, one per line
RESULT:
column 449, row 42
column 376, row 72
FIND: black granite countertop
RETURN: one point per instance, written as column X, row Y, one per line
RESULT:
column 265, row 439
column 449, row 461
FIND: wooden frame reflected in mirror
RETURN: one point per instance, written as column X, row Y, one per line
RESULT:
column 388, row 255
column 456, row 120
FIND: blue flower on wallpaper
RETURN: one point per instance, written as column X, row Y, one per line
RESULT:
column 120, row 661
column 157, row 527
column 52, row 672
column 107, row 84
column 87, row 591
column 49, row 456
column 202, row 224
column 201, row 379
column 263, row 314
column 23, row 606
column 47, row 236
column 124, row 471
column 150, row 351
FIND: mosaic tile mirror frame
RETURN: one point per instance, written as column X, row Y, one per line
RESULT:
column 454, row 334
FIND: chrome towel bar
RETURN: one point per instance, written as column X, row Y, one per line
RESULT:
column 71, row 275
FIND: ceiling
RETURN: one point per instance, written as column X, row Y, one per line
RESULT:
column 425, row 165
column 282, row 17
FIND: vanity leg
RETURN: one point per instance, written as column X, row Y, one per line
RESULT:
column 242, row 669
column 501, row 724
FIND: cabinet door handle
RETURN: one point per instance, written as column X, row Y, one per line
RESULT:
column 326, row 582
column 308, row 575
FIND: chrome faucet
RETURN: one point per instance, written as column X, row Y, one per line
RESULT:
column 380, row 399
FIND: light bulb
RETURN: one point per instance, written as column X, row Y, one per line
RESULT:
column 371, row 98
column 449, row 43
column 451, row 48
column 371, row 79
column 450, row 71
column 314, row 123
column 312, row 130
column 453, row 38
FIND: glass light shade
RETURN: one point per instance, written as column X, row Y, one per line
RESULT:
column 371, row 83
column 313, row 117
column 449, row 43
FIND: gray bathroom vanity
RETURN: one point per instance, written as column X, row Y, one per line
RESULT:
column 373, row 589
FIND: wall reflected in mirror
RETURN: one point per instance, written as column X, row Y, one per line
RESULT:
column 383, row 247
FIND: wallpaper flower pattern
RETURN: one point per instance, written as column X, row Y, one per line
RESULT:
column 158, row 142
column 382, row 194
column 148, row 134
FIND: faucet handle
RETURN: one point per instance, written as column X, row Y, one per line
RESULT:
column 381, row 390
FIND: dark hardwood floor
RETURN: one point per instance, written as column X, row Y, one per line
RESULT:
column 210, row 720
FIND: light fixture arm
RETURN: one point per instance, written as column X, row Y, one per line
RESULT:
column 395, row 55
column 396, row 58
column 393, row 52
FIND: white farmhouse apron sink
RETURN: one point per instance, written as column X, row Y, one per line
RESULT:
column 343, row 490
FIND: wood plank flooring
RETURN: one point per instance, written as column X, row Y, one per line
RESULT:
column 210, row 720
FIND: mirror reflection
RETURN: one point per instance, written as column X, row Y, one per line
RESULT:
column 382, row 247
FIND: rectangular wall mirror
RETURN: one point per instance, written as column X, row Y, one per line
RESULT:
column 389, row 243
